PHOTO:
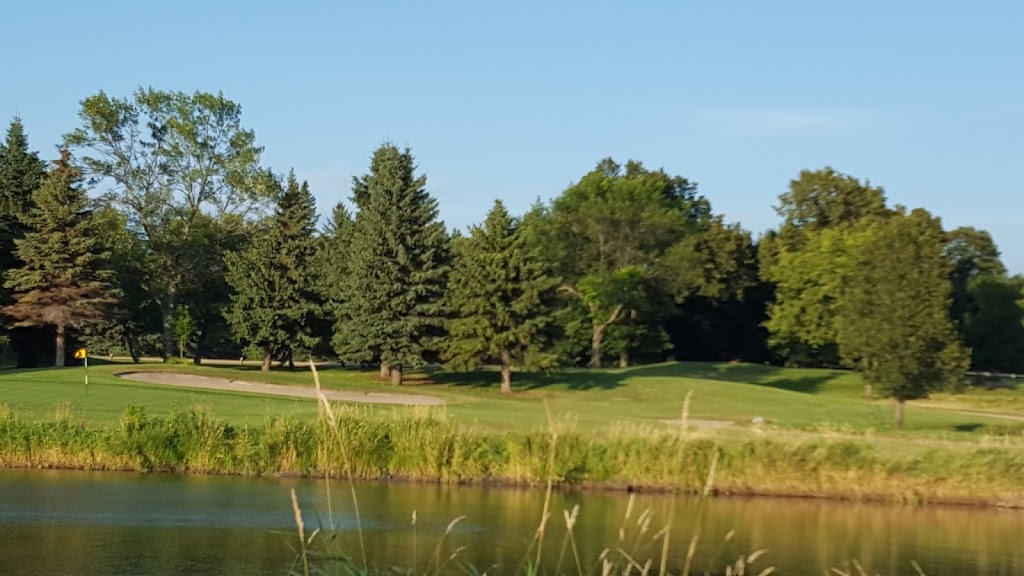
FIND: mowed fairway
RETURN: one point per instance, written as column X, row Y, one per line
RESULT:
column 603, row 401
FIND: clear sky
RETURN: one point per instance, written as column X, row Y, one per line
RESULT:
column 515, row 100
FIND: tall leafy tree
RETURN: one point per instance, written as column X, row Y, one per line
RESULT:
column 170, row 160
column 398, row 262
column 894, row 315
column 58, row 284
column 499, row 296
column 993, row 328
column 808, row 257
column 275, row 302
column 21, row 173
column 973, row 254
column 606, row 234
column 135, row 318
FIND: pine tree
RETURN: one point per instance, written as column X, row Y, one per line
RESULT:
column 21, row 173
column 332, row 268
column 275, row 302
column 397, row 266
column 893, row 322
column 58, row 283
column 498, row 294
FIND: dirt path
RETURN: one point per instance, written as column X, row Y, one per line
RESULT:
column 210, row 383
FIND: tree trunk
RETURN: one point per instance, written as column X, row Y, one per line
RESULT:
column 598, row 335
column 385, row 371
column 506, row 371
column 624, row 359
column 396, row 375
column 130, row 344
column 167, row 311
column 291, row 360
column 58, row 359
column 267, row 356
column 899, row 412
column 869, row 390
column 595, row 347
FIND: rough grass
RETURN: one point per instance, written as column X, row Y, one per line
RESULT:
column 820, row 438
column 423, row 445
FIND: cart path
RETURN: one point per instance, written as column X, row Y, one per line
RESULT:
column 225, row 384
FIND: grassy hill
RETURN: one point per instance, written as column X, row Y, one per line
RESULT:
column 600, row 401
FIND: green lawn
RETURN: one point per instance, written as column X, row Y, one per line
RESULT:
column 590, row 401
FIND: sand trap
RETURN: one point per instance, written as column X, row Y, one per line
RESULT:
column 211, row 383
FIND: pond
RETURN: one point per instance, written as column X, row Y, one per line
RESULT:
column 67, row 522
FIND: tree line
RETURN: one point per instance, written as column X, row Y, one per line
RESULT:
column 159, row 231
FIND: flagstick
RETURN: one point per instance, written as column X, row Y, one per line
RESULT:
column 86, row 373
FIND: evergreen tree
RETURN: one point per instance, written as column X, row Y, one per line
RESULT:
column 893, row 320
column 21, row 173
column 498, row 295
column 397, row 265
column 58, row 283
column 332, row 270
column 275, row 302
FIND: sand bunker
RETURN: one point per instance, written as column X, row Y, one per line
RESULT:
column 211, row 383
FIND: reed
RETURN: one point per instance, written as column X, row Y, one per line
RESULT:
column 421, row 445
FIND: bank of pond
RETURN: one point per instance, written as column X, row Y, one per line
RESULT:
column 423, row 445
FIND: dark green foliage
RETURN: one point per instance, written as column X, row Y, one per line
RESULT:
column 617, row 235
column 59, row 282
column 993, row 328
column 893, row 316
column 21, row 173
column 133, row 321
column 331, row 277
column 499, row 295
column 275, row 303
column 389, row 306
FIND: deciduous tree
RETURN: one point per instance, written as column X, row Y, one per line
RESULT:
column 893, row 321
column 170, row 159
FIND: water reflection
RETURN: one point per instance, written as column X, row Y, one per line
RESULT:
column 120, row 524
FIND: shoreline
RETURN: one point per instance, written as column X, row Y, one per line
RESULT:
column 504, row 484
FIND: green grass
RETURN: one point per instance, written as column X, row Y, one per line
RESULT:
column 821, row 438
column 589, row 401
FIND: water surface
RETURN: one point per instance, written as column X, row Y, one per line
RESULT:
column 72, row 523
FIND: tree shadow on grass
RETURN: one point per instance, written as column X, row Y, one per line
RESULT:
column 572, row 379
column 808, row 382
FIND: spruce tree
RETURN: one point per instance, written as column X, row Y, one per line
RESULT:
column 58, row 283
column 275, row 302
column 21, row 173
column 498, row 296
column 397, row 263
column 332, row 268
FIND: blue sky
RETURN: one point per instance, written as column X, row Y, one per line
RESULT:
column 516, row 100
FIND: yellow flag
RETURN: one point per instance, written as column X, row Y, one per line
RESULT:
column 80, row 353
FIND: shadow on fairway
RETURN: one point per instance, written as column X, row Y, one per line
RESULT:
column 570, row 379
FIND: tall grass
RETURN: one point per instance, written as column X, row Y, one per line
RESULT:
column 423, row 445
